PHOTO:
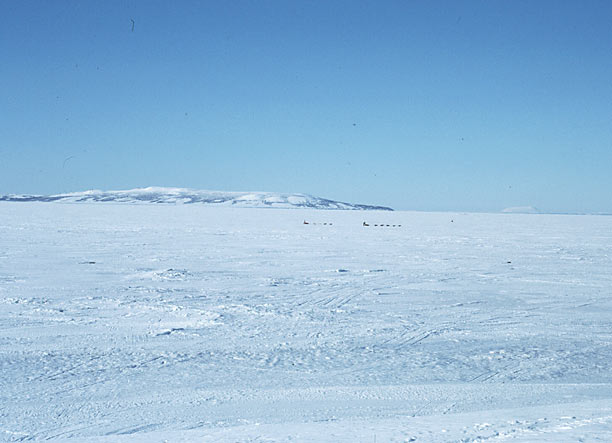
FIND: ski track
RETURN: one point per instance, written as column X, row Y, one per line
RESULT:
column 185, row 323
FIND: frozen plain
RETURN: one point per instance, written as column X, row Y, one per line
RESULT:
column 196, row 323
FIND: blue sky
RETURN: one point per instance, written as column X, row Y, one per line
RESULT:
column 450, row 105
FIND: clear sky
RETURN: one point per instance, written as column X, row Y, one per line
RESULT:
column 426, row 105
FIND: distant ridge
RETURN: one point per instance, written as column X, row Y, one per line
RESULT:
column 522, row 210
column 191, row 196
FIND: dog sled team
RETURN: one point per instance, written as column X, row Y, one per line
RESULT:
column 364, row 224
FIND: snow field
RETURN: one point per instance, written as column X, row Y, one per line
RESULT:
column 192, row 323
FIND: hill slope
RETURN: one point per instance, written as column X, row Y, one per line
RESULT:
column 190, row 196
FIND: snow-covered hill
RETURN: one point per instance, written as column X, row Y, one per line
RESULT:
column 185, row 196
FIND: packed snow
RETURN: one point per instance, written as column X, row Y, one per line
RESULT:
column 182, row 323
column 189, row 196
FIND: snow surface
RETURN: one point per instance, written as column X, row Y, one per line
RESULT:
column 189, row 196
column 152, row 323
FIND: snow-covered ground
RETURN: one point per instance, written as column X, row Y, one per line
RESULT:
column 194, row 323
